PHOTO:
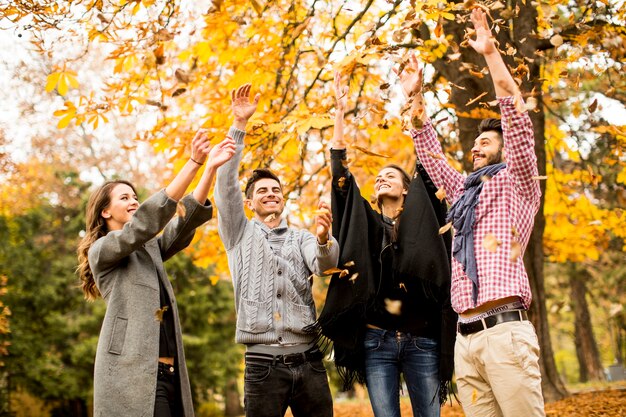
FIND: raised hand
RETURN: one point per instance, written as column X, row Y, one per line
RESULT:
column 222, row 152
column 242, row 107
column 323, row 222
column 411, row 77
column 200, row 146
column 485, row 43
column 341, row 91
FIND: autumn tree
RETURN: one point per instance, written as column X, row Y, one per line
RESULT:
column 173, row 65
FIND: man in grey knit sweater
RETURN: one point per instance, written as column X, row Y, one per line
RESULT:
column 270, row 264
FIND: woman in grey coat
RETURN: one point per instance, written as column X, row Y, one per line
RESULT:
column 140, row 365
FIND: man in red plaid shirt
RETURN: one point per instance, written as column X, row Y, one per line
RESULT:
column 496, row 351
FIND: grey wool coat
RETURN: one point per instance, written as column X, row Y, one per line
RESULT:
column 127, row 265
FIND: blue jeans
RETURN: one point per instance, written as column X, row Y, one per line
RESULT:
column 270, row 389
column 389, row 353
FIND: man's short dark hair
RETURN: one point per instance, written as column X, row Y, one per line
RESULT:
column 259, row 174
column 491, row 125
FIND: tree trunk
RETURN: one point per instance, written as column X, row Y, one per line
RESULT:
column 590, row 367
column 232, row 407
column 519, row 36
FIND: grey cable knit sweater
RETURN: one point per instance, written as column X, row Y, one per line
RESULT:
column 273, row 295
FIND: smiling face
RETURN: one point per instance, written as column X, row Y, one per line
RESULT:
column 487, row 149
column 267, row 198
column 389, row 185
column 122, row 206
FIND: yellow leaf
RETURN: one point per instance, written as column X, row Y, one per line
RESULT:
column 491, row 243
column 65, row 121
column 52, row 81
column 516, row 251
column 368, row 152
column 393, row 306
column 440, row 194
column 257, row 7
column 62, row 85
column 158, row 315
column 445, row 228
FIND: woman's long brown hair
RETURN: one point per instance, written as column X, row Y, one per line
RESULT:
column 95, row 228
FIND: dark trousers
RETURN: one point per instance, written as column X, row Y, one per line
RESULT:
column 167, row 402
column 270, row 388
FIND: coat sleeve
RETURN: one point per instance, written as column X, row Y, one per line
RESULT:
column 149, row 219
column 179, row 232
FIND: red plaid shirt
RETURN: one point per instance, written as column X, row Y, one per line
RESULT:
column 506, row 210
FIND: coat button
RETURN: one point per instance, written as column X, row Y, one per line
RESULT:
column 280, row 272
column 278, row 295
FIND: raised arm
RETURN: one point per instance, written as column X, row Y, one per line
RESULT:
column 218, row 156
column 517, row 127
column 427, row 146
column 228, row 197
column 341, row 100
column 485, row 45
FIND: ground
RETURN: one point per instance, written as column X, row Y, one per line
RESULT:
column 610, row 402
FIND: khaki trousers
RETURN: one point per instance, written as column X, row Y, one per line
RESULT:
column 497, row 371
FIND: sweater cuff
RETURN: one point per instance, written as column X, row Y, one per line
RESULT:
column 325, row 249
column 236, row 134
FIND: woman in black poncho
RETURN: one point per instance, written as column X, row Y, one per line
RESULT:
column 391, row 313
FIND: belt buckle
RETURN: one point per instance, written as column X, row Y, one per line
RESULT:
column 290, row 359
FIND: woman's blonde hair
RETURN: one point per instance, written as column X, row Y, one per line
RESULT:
column 95, row 228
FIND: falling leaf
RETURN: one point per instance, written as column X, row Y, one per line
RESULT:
column 491, row 243
column 257, row 7
column 332, row 271
column 158, row 315
column 368, row 152
column 593, row 106
column 416, row 119
column 516, row 251
column 434, row 156
column 401, row 285
column 270, row 218
column 485, row 178
column 353, row 278
column 341, row 181
column 514, row 231
column 343, row 273
column 475, row 99
column 393, row 306
column 444, row 229
column 531, row 104
column 441, row 194
column 277, row 316
column 349, row 264
column 181, row 75
column 180, row 209
column 556, row 40
column 158, row 54
column 178, row 92
column 539, row 177
column 384, row 86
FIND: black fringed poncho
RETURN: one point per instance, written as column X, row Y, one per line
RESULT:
column 420, row 257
